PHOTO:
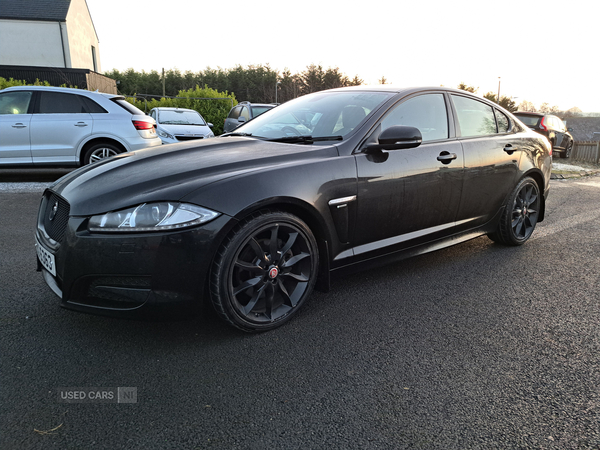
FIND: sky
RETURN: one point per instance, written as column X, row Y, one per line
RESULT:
column 539, row 51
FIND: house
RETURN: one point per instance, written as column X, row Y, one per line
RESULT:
column 585, row 129
column 50, row 38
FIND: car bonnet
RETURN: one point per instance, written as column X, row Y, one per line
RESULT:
column 170, row 172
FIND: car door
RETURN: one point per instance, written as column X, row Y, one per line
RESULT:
column 59, row 125
column 492, row 155
column 409, row 196
column 15, row 118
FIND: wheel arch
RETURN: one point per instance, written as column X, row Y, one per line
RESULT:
column 313, row 219
column 537, row 176
column 98, row 140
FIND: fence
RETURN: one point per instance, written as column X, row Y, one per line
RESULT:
column 586, row 152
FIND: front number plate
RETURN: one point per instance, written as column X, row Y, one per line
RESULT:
column 46, row 258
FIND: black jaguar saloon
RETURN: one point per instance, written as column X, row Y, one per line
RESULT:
column 252, row 221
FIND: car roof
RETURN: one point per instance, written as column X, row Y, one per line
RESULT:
column 61, row 89
column 170, row 108
column 529, row 113
column 256, row 104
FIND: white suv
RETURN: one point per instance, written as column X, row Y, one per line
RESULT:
column 42, row 125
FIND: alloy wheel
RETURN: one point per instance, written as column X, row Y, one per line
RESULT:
column 525, row 211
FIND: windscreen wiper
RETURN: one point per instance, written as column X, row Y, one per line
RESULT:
column 233, row 133
column 305, row 139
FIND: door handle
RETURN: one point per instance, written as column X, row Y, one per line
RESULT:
column 81, row 124
column 19, row 125
column 510, row 149
column 446, row 157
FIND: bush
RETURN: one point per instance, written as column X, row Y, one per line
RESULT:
column 4, row 83
column 212, row 104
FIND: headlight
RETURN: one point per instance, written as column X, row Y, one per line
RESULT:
column 163, row 133
column 160, row 216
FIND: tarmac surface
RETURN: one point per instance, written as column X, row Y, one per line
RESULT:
column 477, row 346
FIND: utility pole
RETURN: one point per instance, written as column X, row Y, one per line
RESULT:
column 163, row 80
column 498, row 91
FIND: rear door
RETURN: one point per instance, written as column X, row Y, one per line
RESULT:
column 562, row 139
column 60, row 124
column 15, row 118
column 492, row 157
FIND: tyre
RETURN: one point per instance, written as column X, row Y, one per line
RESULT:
column 520, row 214
column 264, row 271
column 567, row 152
column 100, row 151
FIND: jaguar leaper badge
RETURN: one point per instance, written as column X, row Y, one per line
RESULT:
column 53, row 211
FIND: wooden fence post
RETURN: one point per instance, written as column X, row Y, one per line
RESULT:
column 597, row 152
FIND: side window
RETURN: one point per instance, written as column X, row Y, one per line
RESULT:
column 426, row 112
column 235, row 112
column 91, row 106
column 475, row 118
column 245, row 113
column 503, row 123
column 60, row 103
column 15, row 102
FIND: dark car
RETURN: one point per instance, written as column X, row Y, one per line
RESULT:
column 551, row 127
column 243, row 112
column 253, row 220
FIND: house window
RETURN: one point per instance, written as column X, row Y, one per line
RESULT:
column 94, row 59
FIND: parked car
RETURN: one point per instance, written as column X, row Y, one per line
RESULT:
column 551, row 127
column 243, row 112
column 253, row 220
column 43, row 125
column 179, row 124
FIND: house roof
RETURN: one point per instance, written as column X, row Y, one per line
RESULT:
column 49, row 10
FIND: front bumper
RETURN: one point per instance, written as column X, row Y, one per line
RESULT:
column 131, row 275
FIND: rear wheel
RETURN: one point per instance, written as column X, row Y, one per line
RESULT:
column 567, row 152
column 264, row 271
column 520, row 214
column 100, row 151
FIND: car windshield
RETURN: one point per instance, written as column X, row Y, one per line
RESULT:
column 318, row 115
column 180, row 118
column 530, row 121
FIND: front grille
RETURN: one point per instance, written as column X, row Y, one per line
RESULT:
column 188, row 138
column 56, row 217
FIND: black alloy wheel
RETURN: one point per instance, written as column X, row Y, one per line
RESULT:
column 520, row 214
column 99, row 152
column 264, row 271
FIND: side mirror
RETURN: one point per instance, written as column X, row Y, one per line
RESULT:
column 569, row 129
column 397, row 138
column 241, row 119
column 210, row 125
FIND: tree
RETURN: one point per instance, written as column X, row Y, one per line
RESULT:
column 506, row 102
column 527, row 106
column 572, row 112
column 383, row 80
column 464, row 87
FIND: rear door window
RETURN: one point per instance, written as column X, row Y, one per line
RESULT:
column 60, row 103
column 475, row 118
column 503, row 122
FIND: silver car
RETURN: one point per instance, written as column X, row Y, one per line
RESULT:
column 42, row 125
column 180, row 124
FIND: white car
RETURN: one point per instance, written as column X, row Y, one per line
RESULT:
column 179, row 124
column 42, row 125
